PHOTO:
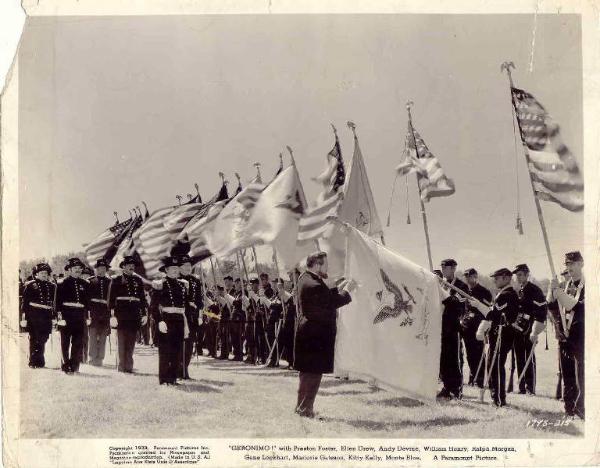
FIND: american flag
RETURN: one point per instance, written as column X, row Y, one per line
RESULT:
column 317, row 221
column 149, row 240
column 554, row 171
column 100, row 246
column 249, row 196
column 430, row 175
column 126, row 247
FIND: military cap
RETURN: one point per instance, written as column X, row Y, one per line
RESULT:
column 448, row 262
column 169, row 262
column 573, row 257
column 253, row 280
column 185, row 259
column 101, row 263
column 73, row 262
column 470, row 272
column 41, row 267
column 220, row 288
column 128, row 260
column 264, row 275
column 501, row 272
column 521, row 267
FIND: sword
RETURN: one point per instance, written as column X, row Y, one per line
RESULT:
column 529, row 359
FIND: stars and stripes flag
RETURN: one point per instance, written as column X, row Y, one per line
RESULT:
column 418, row 159
column 554, row 171
column 317, row 220
column 126, row 246
column 150, row 238
column 100, row 246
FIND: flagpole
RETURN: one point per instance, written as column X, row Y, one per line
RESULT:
column 507, row 66
column 423, row 212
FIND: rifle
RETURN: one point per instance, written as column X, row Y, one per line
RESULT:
column 509, row 389
column 559, row 391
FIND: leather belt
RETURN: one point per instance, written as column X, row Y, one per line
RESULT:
column 174, row 310
column 79, row 305
column 128, row 298
column 40, row 306
column 100, row 301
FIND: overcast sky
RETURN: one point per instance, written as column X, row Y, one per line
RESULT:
column 116, row 110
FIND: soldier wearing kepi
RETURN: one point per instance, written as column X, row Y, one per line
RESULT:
column 193, row 307
column 469, row 323
column 37, row 312
column 128, row 311
column 530, row 322
column 451, row 360
column 567, row 308
column 99, row 327
column 72, row 303
column 238, row 316
column 168, row 305
column 497, row 324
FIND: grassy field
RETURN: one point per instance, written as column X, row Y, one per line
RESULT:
column 229, row 399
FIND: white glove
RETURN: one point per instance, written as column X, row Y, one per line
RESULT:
column 88, row 322
column 157, row 284
column 349, row 285
column 144, row 320
column 23, row 323
column 484, row 326
column 62, row 323
column 162, row 327
column 114, row 322
column 200, row 320
column 536, row 329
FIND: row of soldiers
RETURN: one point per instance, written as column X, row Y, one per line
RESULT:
column 258, row 320
column 511, row 321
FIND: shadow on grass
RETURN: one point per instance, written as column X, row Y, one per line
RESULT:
column 400, row 402
column 376, row 426
column 328, row 383
column 265, row 373
column 366, row 391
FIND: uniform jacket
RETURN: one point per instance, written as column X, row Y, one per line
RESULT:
column 99, row 313
column 454, row 308
column 128, row 300
column 72, row 299
column 38, row 305
column 576, row 335
column 532, row 306
column 472, row 316
column 505, row 309
column 315, row 335
column 195, row 300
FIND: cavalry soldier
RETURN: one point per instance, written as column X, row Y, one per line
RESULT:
column 567, row 308
column 250, row 330
column 72, row 304
column 451, row 359
column 532, row 316
column 239, row 306
column 497, row 324
column 193, row 307
column 169, row 301
column 37, row 312
column 128, row 306
column 99, row 327
column 469, row 322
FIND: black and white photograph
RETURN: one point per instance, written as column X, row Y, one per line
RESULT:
column 255, row 226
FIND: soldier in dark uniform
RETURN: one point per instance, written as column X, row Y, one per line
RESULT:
column 274, row 306
column 192, row 311
column 567, row 309
column 532, row 308
column 225, row 302
column 265, row 330
column 451, row 359
column 99, row 327
column 250, row 330
column 86, row 274
column 128, row 311
column 72, row 303
column 498, row 325
column 169, row 300
column 211, row 335
column 238, row 316
column 469, row 323
column 37, row 312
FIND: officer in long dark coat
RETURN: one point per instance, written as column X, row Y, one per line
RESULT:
column 99, row 327
column 315, row 336
column 567, row 308
column 532, row 308
column 169, row 299
column 37, row 308
column 451, row 359
column 72, row 303
column 498, row 326
column 128, row 311
column 192, row 311
column 469, row 322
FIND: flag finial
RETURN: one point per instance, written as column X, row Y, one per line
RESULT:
column 291, row 155
column 506, row 66
column 189, row 195
column 197, row 187
column 178, row 198
column 116, row 217
column 352, row 126
column 257, row 166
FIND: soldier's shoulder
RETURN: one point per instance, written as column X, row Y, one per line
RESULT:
column 30, row 282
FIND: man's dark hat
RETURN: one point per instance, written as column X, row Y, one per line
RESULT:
column 41, row 267
column 264, row 275
column 184, row 259
column 102, row 263
column 437, row 273
column 448, row 262
column 521, row 267
column 501, row 272
column 169, row 262
column 470, row 272
column 573, row 257
column 128, row 260
column 72, row 262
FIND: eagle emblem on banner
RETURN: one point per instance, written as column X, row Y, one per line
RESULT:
column 392, row 302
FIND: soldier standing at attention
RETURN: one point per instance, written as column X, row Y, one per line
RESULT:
column 37, row 313
column 250, row 331
column 72, row 303
column 225, row 302
column 470, row 322
column 86, row 274
column 531, row 318
column 99, row 327
column 193, row 307
column 497, row 323
column 567, row 307
column 451, row 359
column 169, row 300
column 238, row 316
column 128, row 311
